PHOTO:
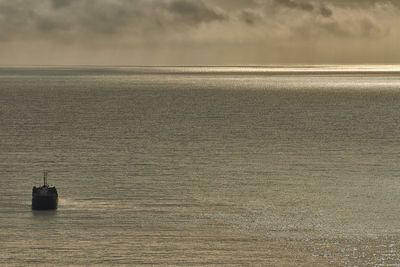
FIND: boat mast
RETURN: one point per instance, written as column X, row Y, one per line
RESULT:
column 45, row 177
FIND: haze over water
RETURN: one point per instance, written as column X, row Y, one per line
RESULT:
column 188, row 166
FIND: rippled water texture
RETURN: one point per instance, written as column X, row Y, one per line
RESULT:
column 201, row 166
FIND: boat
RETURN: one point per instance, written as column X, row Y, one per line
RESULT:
column 44, row 197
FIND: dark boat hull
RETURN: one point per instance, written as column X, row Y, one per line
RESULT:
column 44, row 202
column 44, row 197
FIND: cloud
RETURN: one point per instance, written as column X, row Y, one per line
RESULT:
column 195, row 11
column 310, row 7
column 295, row 5
column 27, row 19
column 61, row 3
column 325, row 11
column 251, row 17
column 162, row 30
column 53, row 19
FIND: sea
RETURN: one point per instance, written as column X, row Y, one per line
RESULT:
column 201, row 166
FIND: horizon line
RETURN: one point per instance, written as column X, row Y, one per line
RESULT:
column 366, row 65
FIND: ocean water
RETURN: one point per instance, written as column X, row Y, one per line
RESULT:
column 190, row 166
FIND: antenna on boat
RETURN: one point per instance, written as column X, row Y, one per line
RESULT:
column 45, row 177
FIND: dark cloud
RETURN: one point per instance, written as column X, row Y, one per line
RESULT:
column 195, row 11
column 360, row 3
column 295, row 4
column 107, row 17
column 250, row 17
column 52, row 19
column 234, row 5
column 61, row 3
column 48, row 25
column 325, row 11
column 319, row 8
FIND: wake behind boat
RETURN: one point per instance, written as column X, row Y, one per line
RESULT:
column 44, row 197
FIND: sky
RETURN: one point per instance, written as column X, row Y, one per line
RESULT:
column 199, row 32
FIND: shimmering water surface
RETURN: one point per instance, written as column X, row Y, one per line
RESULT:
column 201, row 166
